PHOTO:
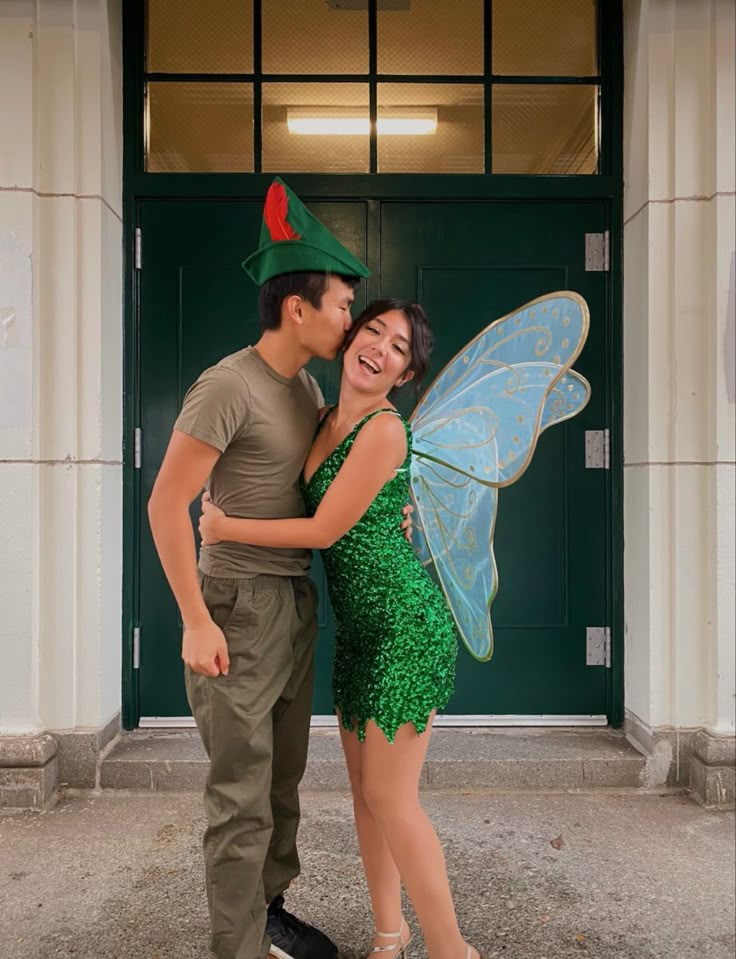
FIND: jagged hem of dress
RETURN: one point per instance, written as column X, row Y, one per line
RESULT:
column 358, row 723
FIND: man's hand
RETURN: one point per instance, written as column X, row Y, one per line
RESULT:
column 204, row 649
column 208, row 521
column 408, row 524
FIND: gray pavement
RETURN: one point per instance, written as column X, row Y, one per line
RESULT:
column 536, row 876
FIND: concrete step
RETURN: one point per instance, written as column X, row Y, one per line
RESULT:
column 504, row 759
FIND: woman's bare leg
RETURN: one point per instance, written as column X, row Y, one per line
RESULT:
column 382, row 876
column 390, row 791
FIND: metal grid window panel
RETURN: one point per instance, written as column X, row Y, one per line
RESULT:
column 313, row 36
column 431, row 38
column 195, row 127
column 488, row 91
column 448, row 120
column 187, row 36
column 545, row 38
column 293, row 114
column 545, row 128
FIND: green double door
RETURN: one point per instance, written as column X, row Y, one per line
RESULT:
column 468, row 263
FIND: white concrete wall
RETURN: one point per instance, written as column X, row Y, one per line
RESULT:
column 679, row 422
column 60, row 362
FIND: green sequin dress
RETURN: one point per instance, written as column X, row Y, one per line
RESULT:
column 396, row 643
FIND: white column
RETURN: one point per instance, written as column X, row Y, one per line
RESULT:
column 679, row 423
column 60, row 363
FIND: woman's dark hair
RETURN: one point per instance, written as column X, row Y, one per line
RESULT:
column 309, row 286
column 421, row 332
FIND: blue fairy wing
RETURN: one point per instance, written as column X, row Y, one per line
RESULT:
column 484, row 412
column 452, row 512
column 568, row 396
column 453, row 532
column 475, row 430
column 418, row 539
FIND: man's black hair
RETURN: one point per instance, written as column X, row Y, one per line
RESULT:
column 309, row 286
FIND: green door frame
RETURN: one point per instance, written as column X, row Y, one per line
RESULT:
column 606, row 185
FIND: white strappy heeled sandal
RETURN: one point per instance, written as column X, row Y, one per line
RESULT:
column 398, row 947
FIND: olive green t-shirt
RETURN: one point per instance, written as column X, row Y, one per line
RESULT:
column 263, row 424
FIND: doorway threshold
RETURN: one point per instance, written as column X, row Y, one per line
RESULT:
column 488, row 721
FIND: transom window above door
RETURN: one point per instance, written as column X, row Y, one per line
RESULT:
column 372, row 86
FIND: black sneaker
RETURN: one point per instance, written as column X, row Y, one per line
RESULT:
column 293, row 939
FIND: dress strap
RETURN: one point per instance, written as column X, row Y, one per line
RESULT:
column 386, row 409
column 323, row 420
column 350, row 439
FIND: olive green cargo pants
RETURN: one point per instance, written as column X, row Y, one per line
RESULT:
column 254, row 723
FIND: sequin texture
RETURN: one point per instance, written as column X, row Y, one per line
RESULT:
column 396, row 644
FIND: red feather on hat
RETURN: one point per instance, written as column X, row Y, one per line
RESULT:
column 275, row 211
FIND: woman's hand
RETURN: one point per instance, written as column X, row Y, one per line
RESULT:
column 408, row 524
column 209, row 522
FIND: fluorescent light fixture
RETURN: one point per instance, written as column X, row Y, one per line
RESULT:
column 407, row 126
column 340, row 122
column 329, row 126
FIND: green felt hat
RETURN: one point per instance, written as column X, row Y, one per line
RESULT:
column 292, row 241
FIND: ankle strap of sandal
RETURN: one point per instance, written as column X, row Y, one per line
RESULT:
column 396, row 936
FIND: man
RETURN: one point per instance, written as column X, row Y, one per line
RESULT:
column 249, row 613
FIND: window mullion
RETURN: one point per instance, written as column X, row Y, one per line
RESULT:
column 257, row 86
column 488, row 84
column 373, row 84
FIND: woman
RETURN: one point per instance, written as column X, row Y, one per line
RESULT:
column 396, row 644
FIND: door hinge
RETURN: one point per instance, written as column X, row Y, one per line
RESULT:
column 136, row 647
column 598, row 449
column 137, row 448
column 138, row 253
column 598, row 646
column 597, row 252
